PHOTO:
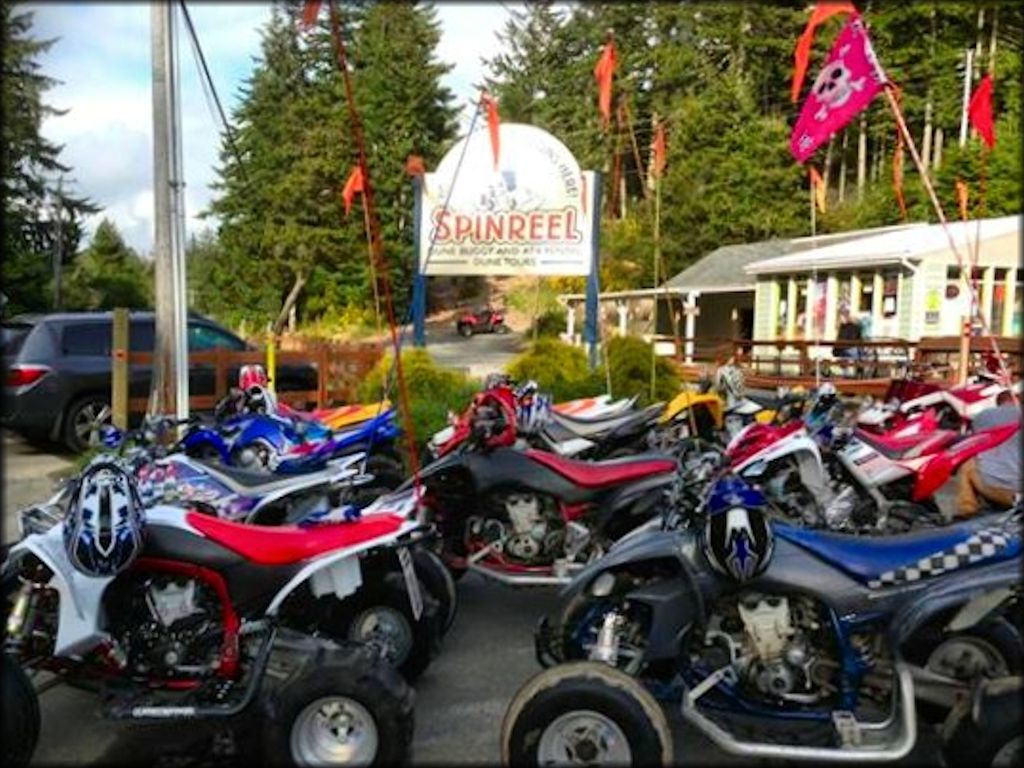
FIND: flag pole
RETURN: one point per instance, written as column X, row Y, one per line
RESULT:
column 901, row 125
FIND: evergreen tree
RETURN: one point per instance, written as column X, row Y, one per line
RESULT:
column 109, row 274
column 33, row 201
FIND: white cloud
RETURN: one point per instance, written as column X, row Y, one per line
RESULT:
column 103, row 62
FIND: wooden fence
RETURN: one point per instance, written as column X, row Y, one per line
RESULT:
column 340, row 367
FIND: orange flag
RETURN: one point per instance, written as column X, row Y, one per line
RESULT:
column 309, row 13
column 818, row 185
column 897, row 178
column 493, row 124
column 603, row 71
column 353, row 187
column 658, row 147
column 802, row 54
column 961, row 198
column 414, row 165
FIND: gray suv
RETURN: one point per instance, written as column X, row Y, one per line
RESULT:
column 57, row 371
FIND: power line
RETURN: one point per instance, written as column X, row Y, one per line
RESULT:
column 207, row 79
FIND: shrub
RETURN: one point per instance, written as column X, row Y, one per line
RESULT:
column 629, row 360
column 549, row 325
column 559, row 369
column 433, row 390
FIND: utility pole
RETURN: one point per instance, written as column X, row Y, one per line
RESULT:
column 969, row 54
column 170, row 380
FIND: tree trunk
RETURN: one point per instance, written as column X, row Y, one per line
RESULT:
column 289, row 302
column 827, row 173
column 842, row 169
column 992, row 42
column 862, row 155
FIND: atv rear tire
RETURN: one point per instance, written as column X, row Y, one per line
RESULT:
column 465, row 330
column 583, row 698
column 20, row 714
column 383, row 607
column 349, row 706
column 993, row 738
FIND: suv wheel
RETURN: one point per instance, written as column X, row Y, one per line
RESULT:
column 84, row 421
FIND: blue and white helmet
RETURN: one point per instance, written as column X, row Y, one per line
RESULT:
column 103, row 527
column 737, row 539
column 532, row 413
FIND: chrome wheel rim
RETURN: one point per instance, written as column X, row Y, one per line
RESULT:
column 386, row 630
column 334, row 730
column 89, row 422
column 583, row 737
column 967, row 658
column 1010, row 754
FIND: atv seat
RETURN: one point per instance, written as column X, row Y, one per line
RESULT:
column 261, row 483
column 286, row 544
column 599, row 474
column 911, row 447
column 882, row 561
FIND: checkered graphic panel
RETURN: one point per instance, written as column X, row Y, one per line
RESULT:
column 981, row 545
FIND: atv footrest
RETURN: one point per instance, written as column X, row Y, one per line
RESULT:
column 888, row 740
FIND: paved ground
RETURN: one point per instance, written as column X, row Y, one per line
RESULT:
column 461, row 699
column 478, row 355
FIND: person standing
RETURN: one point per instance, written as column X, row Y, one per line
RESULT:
column 993, row 476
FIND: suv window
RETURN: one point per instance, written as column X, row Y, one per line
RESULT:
column 142, row 336
column 14, row 335
column 87, row 340
column 202, row 337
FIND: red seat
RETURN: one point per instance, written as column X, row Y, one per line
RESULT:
column 598, row 474
column 910, row 447
column 287, row 544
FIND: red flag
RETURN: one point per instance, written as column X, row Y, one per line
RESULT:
column 493, row 124
column 658, row 147
column 309, row 13
column 603, row 71
column 802, row 54
column 353, row 187
column 818, row 185
column 845, row 86
column 980, row 112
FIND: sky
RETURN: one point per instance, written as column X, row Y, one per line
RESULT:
column 102, row 60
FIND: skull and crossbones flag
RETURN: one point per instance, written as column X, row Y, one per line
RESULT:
column 846, row 85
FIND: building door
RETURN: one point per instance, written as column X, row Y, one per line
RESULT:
column 746, row 323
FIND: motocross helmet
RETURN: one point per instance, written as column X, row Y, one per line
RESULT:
column 103, row 527
column 533, row 411
column 253, row 375
column 737, row 538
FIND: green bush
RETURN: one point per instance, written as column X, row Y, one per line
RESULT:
column 433, row 390
column 549, row 325
column 629, row 360
column 559, row 369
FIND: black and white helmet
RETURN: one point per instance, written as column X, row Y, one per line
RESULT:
column 103, row 527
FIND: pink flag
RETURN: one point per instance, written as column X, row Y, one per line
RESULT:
column 847, row 84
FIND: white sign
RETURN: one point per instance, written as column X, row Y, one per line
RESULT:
column 529, row 216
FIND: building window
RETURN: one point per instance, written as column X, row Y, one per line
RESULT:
column 820, row 300
column 999, row 293
column 801, row 309
column 782, row 315
column 890, row 289
column 953, row 285
column 1018, row 307
column 867, row 292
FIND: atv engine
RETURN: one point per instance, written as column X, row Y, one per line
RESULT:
column 525, row 527
column 777, row 646
column 172, row 627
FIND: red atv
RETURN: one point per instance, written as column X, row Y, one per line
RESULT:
column 484, row 320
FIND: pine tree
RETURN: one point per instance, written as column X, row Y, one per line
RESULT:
column 29, row 167
column 109, row 274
